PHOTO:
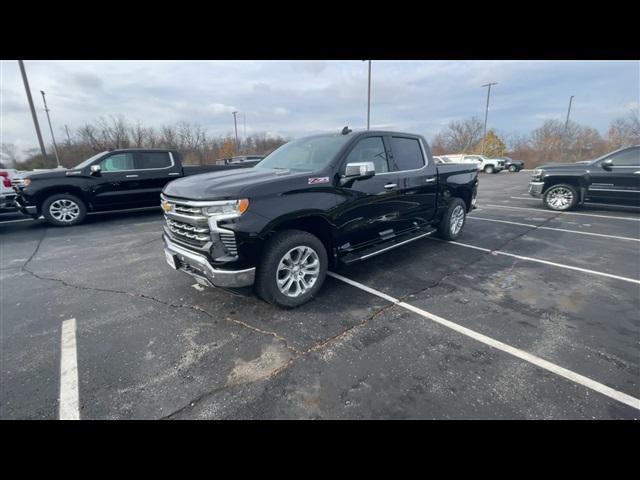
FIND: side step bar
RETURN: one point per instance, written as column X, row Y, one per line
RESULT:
column 360, row 255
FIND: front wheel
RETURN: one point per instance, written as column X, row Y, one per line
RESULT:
column 64, row 210
column 489, row 169
column 560, row 197
column 453, row 220
column 292, row 270
column 513, row 168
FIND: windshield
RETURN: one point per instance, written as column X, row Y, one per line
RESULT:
column 88, row 161
column 309, row 153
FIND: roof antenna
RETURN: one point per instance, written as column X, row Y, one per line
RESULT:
column 346, row 131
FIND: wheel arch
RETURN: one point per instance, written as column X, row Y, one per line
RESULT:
column 55, row 190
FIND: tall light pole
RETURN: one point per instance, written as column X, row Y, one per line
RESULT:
column 369, row 98
column 55, row 149
column 66, row 129
column 31, row 107
column 486, row 113
column 235, row 126
column 566, row 124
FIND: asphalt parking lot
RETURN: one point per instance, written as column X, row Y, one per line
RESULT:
column 530, row 315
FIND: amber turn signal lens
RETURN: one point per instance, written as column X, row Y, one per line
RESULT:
column 243, row 205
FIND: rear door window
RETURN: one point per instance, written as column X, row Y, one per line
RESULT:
column 407, row 154
column 149, row 160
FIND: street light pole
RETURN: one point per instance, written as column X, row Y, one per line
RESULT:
column 235, row 126
column 31, row 107
column 369, row 98
column 55, row 148
column 566, row 124
column 486, row 114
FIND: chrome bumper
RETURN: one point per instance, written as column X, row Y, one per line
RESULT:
column 198, row 266
column 535, row 189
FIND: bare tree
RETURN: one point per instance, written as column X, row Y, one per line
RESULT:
column 461, row 136
column 9, row 154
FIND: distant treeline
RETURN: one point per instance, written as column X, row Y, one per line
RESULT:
column 195, row 144
column 550, row 142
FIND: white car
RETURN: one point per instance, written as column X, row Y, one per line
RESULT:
column 485, row 164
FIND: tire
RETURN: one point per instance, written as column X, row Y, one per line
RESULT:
column 64, row 210
column 489, row 169
column 448, row 228
column 560, row 197
column 513, row 168
column 285, row 248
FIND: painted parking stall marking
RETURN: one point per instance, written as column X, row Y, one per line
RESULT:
column 552, row 228
column 562, row 213
column 545, row 262
column 69, row 397
column 516, row 352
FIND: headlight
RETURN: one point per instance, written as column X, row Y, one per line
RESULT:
column 537, row 173
column 227, row 207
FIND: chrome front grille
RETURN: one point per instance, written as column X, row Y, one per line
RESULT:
column 228, row 239
column 191, row 232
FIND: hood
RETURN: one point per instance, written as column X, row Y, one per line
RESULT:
column 564, row 166
column 225, row 184
column 55, row 173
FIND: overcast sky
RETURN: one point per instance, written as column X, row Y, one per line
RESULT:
column 294, row 98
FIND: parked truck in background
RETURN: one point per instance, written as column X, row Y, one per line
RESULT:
column 111, row 180
column 310, row 205
column 483, row 164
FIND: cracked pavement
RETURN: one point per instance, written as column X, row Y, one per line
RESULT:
column 150, row 346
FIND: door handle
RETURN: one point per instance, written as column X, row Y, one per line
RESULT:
column 132, row 176
column 430, row 180
column 637, row 173
column 389, row 186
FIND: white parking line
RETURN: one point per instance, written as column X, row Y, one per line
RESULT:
column 69, row 399
column 545, row 262
column 532, row 199
column 556, row 229
column 516, row 352
column 563, row 213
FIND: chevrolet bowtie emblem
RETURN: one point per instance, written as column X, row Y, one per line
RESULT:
column 166, row 206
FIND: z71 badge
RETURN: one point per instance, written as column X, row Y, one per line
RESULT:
column 315, row 180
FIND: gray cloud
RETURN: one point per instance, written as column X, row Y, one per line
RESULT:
column 295, row 98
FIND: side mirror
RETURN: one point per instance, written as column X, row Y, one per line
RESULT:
column 607, row 164
column 357, row 171
column 95, row 169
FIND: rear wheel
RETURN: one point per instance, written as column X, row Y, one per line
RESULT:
column 64, row 210
column 489, row 169
column 560, row 197
column 453, row 220
column 292, row 270
column 513, row 168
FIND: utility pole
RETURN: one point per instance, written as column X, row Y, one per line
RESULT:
column 55, row 149
column 68, row 137
column 369, row 98
column 31, row 107
column 235, row 126
column 566, row 124
column 486, row 113
column 244, row 118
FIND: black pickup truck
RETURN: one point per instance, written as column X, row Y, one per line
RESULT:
column 312, row 203
column 612, row 178
column 113, row 180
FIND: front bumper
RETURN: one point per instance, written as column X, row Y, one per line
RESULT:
column 198, row 266
column 30, row 210
column 535, row 189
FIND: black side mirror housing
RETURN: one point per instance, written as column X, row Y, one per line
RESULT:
column 607, row 164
